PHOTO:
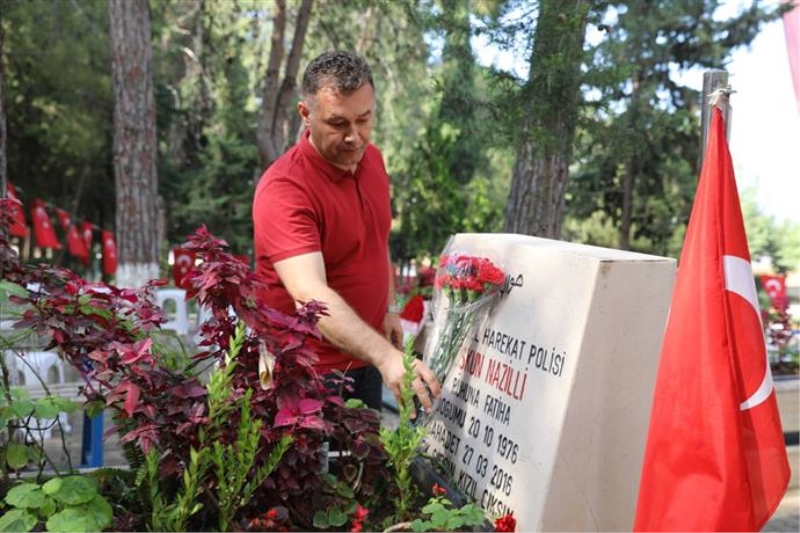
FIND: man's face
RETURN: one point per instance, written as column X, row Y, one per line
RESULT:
column 340, row 124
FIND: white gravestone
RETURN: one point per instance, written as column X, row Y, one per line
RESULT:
column 545, row 411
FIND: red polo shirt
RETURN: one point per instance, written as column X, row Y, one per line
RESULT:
column 304, row 204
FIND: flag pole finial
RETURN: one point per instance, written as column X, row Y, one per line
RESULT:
column 715, row 94
column 720, row 97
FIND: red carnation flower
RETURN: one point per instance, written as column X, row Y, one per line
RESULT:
column 506, row 523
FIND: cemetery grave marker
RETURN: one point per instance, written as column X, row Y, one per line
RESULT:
column 545, row 410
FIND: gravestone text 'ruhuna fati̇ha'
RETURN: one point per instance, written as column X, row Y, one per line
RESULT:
column 545, row 409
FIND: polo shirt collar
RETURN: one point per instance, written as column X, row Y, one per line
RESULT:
column 333, row 173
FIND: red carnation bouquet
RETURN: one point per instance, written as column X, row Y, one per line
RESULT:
column 466, row 284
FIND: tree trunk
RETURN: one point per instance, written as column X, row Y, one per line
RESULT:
column 631, row 163
column 275, row 120
column 365, row 40
column 628, row 178
column 135, row 176
column 536, row 200
column 632, row 144
column 185, row 133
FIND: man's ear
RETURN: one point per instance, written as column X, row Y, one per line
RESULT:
column 305, row 112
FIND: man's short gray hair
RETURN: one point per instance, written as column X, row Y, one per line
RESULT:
column 343, row 71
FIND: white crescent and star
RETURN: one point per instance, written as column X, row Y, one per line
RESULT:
column 42, row 215
column 739, row 280
column 773, row 287
column 184, row 262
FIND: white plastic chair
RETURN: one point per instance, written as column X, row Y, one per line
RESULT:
column 179, row 320
column 50, row 367
column 203, row 314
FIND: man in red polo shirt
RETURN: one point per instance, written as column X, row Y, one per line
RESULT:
column 322, row 218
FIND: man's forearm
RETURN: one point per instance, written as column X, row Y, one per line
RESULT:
column 343, row 328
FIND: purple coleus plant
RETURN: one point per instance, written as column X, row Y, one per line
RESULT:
column 111, row 336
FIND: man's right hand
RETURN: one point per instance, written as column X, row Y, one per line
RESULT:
column 426, row 386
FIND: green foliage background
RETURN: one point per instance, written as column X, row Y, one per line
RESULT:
column 448, row 126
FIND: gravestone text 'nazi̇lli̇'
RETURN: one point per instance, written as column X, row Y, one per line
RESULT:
column 545, row 407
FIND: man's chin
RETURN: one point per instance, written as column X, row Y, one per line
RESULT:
column 350, row 158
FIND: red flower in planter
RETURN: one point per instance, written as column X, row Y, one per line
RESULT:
column 358, row 518
column 273, row 520
column 506, row 523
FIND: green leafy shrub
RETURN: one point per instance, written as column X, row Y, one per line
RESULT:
column 402, row 444
column 70, row 503
column 440, row 515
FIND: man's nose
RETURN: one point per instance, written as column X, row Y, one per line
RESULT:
column 351, row 135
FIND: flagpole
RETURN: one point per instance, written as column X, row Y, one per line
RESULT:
column 3, row 126
column 715, row 86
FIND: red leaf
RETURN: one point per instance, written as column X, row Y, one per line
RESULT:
column 189, row 389
column 308, row 406
column 284, row 417
column 131, row 399
column 312, row 422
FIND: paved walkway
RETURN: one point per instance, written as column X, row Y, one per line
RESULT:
column 787, row 517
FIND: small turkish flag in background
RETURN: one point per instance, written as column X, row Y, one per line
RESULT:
column 75, row 244
column 183, row 262
column 19, row 228
column 109, row 252
column 775, row 286
column 63, row 218
column 43, row 229
column 414, row 310
column 412, row 318
column 86, row 234
column 87, row 231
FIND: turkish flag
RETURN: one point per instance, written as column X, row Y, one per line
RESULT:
column 414, row 310
column 63, row 218
column 75, row 243
column 19, row 228
column 43, row 229
column 412, row 317
column 86, row 234
column 715, row 458
column 109, row 252
column 183, row 262
column 791, row 28
column 775, row 286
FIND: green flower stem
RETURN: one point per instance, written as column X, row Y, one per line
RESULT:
column 458, row 323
